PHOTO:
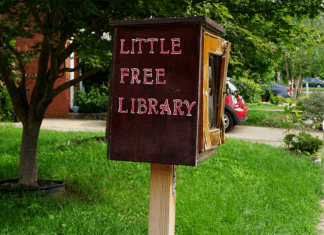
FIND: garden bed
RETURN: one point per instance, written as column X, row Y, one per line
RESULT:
column 277, row 119
column 88, row 116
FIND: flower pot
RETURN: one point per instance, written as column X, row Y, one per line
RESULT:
column 75, row 109
column 46, row 187
column 318, row 160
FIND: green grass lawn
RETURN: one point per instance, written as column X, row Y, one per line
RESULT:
column 264, row 107
column 313, row 89
column 270, row 106
column 247, row 188
column 266, row 119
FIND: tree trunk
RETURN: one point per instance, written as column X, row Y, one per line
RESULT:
column 28, row 154
column 287, row 68
column 300, row 87
column 296, row 88
column 290, row 75
column 299, row 81
column 293, row 81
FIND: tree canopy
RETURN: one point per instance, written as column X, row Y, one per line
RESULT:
column 256, row 30
column 260, row 32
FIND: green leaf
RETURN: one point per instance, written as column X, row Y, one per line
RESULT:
column 12, row 42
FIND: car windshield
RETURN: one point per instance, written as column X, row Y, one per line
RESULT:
column 231, row 86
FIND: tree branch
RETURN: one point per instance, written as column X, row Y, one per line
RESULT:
column 19, row 106
column 100, row 21
column 286, row 67
column 42, row 79
column 95, row 25
column 38, row 19
column 67, row 52
column 74, row 81
column 45, row 101
column 21, row 65
column 22, row 84
column 69, row 70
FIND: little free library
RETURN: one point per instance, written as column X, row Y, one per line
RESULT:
column 167, row 90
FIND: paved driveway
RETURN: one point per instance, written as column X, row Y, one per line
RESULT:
column 71, row 125
column 268, row 135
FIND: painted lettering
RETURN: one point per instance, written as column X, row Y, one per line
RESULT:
column 165, row 108
column 147, row 73
column 189, row 106
column 122, row 47
column 133, row 105
column 177, row 107
column 135, row 73
column 175, row 43
column 152, row 40
column 141, row 104
column 152, row 106
column 133, row 46
column 158, row 75
column 120, row 106
column 140, row 40
column 162, row 45
column 123, row 70
column 175, row 46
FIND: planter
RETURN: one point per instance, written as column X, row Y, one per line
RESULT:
column 47, row 187
column 318, row 160
column 75, row 109
column 319, row 155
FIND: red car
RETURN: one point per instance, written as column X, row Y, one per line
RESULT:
column 235, row 109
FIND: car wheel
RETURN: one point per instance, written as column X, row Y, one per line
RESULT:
column 265, row 97
column 229, row 123
column 318, row 86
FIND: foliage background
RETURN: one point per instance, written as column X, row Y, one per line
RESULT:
column 248, row 89
column 313, row 106
column 94, row 101
column 6, row 107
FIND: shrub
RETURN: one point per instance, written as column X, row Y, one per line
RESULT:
column 95, row 101
column 6, row 107
column 320, row 153
column 248, row 89
column 313, row 106
column 276, row 100
column 303, row 142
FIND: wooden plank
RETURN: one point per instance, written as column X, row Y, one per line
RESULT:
column 215, row 138
column 211, row 45
column 203, row 156
column 226, row 53
column 206, row 126
column 222, row 101
column 162, row 200
column 201, row 104
column 212, row 25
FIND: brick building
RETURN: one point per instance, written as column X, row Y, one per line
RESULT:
column 62, row 103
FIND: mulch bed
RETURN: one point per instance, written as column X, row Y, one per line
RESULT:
column 14, row 184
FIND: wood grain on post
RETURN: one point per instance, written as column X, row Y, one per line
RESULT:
column 162, row 200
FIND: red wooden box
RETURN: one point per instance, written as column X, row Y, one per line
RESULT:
column 166, row 98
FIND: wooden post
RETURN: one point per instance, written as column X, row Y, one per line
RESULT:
column 162, row 200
